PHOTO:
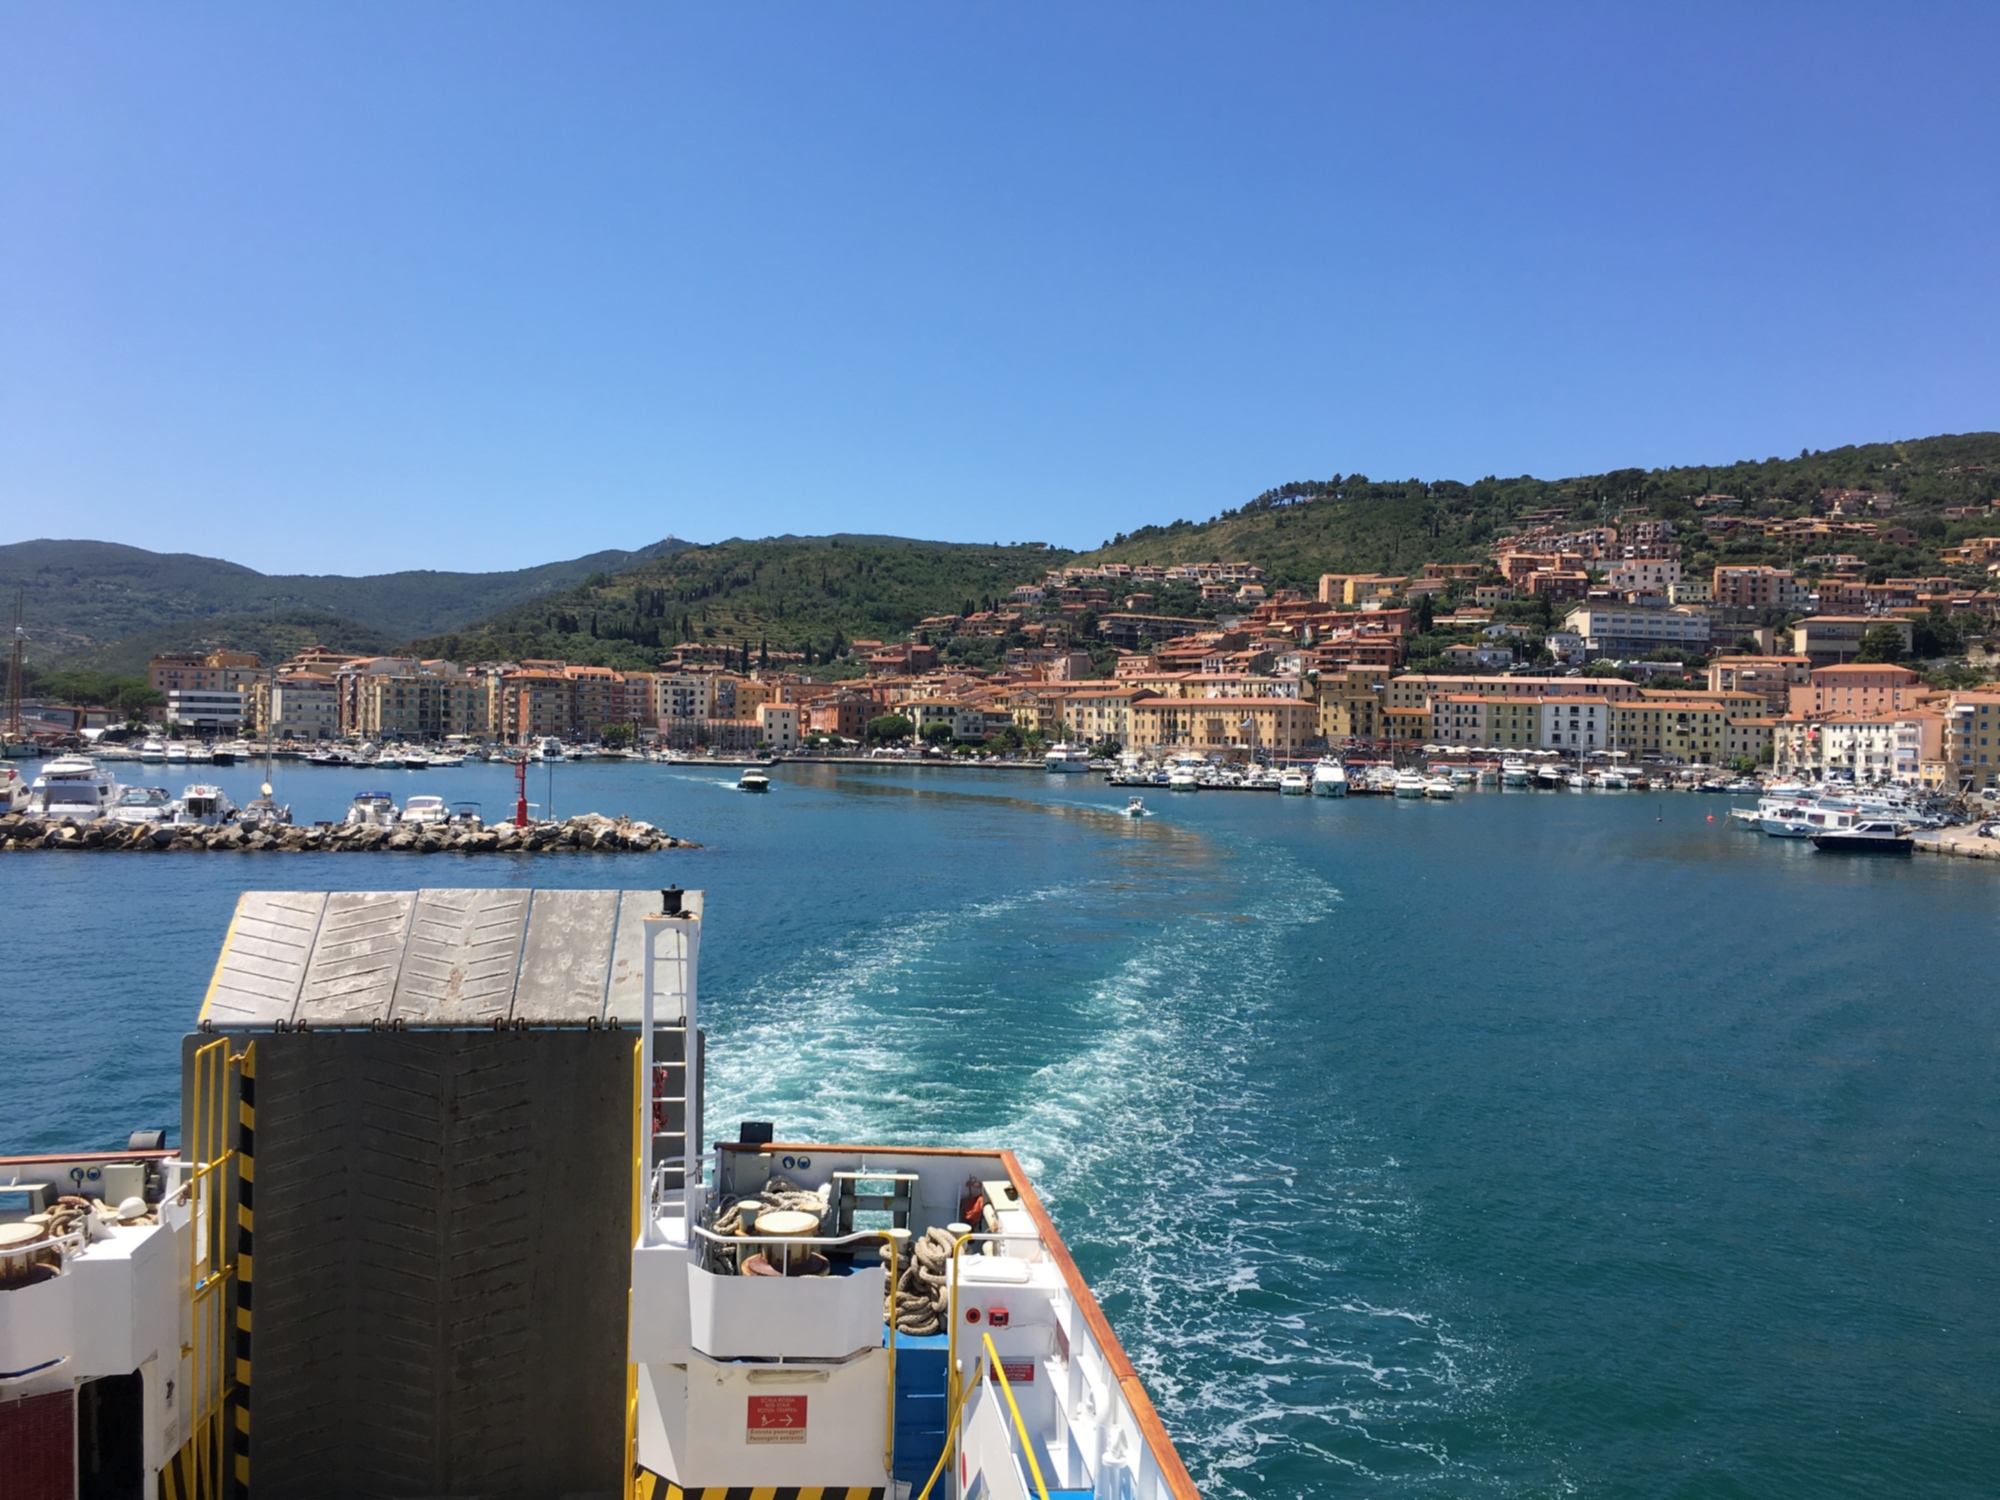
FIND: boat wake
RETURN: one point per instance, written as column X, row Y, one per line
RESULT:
column 1116, row 1035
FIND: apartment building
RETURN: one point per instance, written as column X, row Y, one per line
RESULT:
column 1488, row 722
column 1759, row 588
column 1771, row 677
column 1097, row 714
column 1632, row 630
column 196, row 672
column 1415, row 689
column 205, row 708
column 778, row 726
column 1644, row 575
column 1831, row 639
column 401, row 698
column 1574, row 724
column 301, row 706
column 1854, row 688
column 1231, row 726
column 1350, row 705
column 1687, row 729
column 1972, row 742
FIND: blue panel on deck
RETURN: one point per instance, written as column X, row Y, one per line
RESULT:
column 922, row 1393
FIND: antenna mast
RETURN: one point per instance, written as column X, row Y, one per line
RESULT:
column 16, row 665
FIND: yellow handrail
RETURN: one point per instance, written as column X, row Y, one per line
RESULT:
column 1007, row 1390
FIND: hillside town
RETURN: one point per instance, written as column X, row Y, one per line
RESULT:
column 1590, row 643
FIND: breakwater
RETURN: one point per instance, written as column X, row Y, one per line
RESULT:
column 586, row 833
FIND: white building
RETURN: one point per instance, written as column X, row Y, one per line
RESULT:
column 1644, row 575
column 681, row 697
column 205, row 708
column 778, row 726
column 1620, row 630
column 1573, row 724
column 303, row 707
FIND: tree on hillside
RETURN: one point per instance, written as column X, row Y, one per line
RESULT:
column 1882, row 644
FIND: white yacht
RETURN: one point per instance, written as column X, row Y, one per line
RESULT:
column 144, row 804
column 205, row 806
column 1409, row 784
column 177, row 752
column 13, row 790
column 1184, row 776
column 1440, row 788
column 549, row 748
column 1549, row 778
column 1066, row 758
column 153, row 751
column 1329, row 779
column 72, row 786
column 1293, row 782
column 423, row 810
column 372, row 810
column 753, row 780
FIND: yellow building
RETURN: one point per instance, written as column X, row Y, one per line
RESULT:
column 1350, row 705
column 1228, row 726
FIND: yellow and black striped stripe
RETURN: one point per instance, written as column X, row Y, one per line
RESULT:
column 177, row 1478
column 649, row 1486
column 238, row 1424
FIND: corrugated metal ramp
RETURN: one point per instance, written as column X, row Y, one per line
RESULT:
column 432, row 958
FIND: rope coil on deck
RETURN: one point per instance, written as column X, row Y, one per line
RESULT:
column 923, row 1296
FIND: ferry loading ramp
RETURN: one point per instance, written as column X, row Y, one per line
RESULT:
column 441, row 1180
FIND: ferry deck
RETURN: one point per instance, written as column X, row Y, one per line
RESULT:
column 432, row 1230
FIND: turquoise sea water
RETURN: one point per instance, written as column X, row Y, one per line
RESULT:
column 1530, row 1144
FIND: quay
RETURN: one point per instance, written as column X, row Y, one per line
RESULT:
column 1965, row 842
column 585, row 833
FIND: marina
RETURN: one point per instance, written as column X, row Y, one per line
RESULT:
column 1287, row 1143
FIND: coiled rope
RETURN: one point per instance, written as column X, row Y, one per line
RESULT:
column 923, row 1294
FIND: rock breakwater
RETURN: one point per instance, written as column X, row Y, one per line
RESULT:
column 589, row 833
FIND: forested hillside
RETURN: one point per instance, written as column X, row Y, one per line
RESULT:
column 790, row 592
column 1351, row 523
column 80, row 597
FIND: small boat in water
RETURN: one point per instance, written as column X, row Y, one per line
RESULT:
column 153, row 752
column 1513, row 772
column 753, row 780
column 1877, row 836
column 1136, row 808
column 1329, row 779
column 1440, row 788
column 372, row 810
column 1066, row 758
column 72, row 786
column 1294, row 783
column 206, row 807
column 144, row 804
column 422, row 810
column 1409, row 785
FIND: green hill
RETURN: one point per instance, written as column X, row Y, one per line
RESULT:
column 274, row 637
column 81, row 597
column 1351, row 523
column 788, row 591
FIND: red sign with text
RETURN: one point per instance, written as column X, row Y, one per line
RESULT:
column 1019, row 1374
column 777, row 1419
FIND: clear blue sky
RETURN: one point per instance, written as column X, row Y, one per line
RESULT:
column 355, row 287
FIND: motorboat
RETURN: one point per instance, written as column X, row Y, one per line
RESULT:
column 417, row 760
column 1329, row 779
column 1066, row 758
column 1463, row 776
column 144, row 804
column 1549, row 778
column 153, row 751
column 333, row 755
column 231, row 751
column 1440, row 788
column 1789, row 824
column 387, row 760
column 1183, row 777
column 201, row 753
column 1136, row 808
column 550, row 748
column 1513, row 772
column 1294, row 783
column 1409, row 785
column 1576, row 781
column 445, row 760
column 73, row 786
column 205, row 806
column 1877, row 836
column 426, row 809
column 13, row 790
column 765, row 1314
column 1615, row 780
column 753, row 780
column 372, row 810
column 177, row 752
